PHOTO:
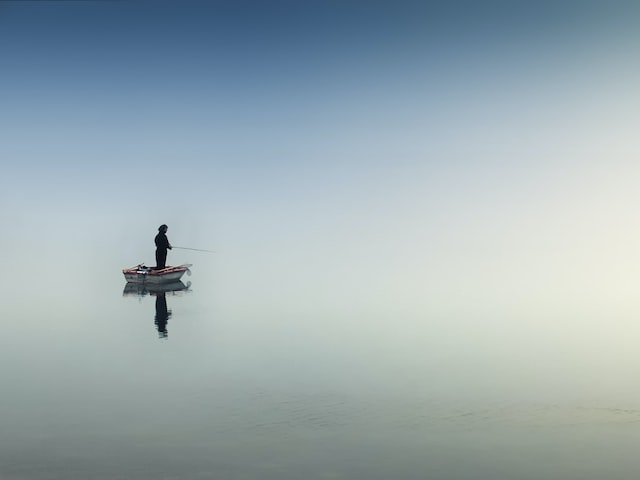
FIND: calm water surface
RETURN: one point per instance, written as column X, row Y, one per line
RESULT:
column 281, row 375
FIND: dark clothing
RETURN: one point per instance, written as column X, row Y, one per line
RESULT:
column 162, row 244
column 161, row 258
column 162, row 241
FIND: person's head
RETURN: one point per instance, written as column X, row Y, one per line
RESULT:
column 163, row 228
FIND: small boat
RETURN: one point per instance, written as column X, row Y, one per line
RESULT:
column 143, row 274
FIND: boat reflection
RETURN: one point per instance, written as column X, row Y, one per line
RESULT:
column 135, row 289
column 160, row 291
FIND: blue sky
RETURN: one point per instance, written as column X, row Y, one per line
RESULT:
column 452, row 135
column 269, row 82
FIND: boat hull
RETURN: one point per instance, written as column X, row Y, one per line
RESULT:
column 142, row 274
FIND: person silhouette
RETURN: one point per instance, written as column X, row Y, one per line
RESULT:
column 162, row 244
column 162, row 315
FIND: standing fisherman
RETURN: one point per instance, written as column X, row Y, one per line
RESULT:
column 162, row 244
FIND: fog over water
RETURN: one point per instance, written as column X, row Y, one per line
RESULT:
column 281, row 363
column 425, row 229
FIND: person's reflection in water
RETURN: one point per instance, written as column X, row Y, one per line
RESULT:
column 162, row 315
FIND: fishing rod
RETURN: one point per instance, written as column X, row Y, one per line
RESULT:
column 194, row 249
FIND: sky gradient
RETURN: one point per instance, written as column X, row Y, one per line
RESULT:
column 476, row 154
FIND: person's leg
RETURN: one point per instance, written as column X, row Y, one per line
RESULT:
column 161, row 258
